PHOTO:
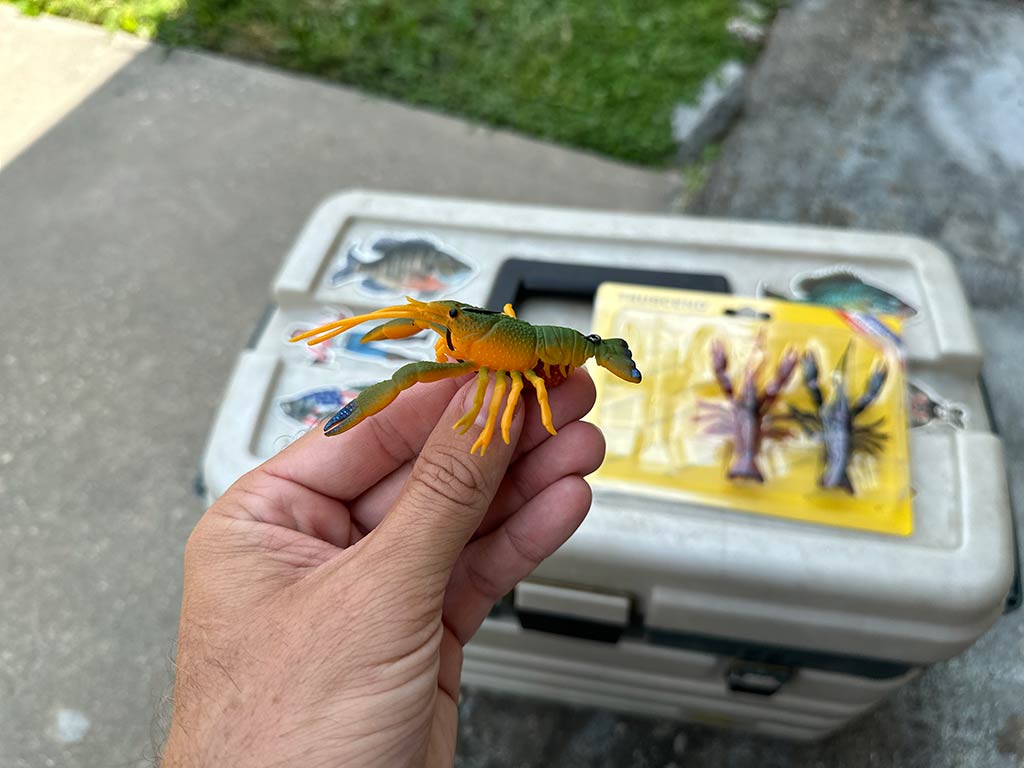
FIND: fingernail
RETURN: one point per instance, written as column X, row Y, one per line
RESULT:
column 468, row 393
column 481, row 418
column 469, row 396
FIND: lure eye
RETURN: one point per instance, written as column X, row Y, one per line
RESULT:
column 594, row 338
column 453, row 313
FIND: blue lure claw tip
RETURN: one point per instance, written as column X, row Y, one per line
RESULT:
column 331, row 427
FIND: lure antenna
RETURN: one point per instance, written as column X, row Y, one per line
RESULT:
column 412, row 311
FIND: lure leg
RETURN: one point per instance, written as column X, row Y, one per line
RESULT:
column 469, row 416
column 510, row 408
column 542, row 400
column 374, row 399
column 492, row 414
column 441, row 350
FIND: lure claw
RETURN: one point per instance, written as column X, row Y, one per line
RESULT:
column 336, row 424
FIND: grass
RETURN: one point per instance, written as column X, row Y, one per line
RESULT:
column 599, row 75
column 695, row 175
column 142, row 17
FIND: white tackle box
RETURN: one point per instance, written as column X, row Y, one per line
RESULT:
column 658, row 606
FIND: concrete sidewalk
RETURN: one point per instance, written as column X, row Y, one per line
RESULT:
column 139, row 237
column 48, row 66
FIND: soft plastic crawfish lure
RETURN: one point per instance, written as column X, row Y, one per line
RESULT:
column 474, row 339
column 836, row 419
column 746, row 415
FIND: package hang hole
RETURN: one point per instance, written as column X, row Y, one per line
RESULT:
column 747, row 312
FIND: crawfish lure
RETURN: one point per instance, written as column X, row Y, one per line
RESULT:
column 835, row 419
column 746, row 415
column 481, row 340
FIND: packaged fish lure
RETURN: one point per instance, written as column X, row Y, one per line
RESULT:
column 764, row 406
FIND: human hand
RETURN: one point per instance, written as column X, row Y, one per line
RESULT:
column 328, row 593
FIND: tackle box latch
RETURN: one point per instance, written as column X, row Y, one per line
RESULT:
column 756, row 677
column 562, row 610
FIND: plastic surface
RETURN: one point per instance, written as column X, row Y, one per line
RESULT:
column 635, row 677
column 578, row 603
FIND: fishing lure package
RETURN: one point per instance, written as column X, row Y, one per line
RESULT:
column 763, row 406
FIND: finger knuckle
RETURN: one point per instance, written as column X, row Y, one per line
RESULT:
column 450, row 476
column 483, row 581
column 525, row 547
column 390, row 438
column 522, row 486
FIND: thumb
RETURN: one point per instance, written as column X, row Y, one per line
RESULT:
column 448, row 490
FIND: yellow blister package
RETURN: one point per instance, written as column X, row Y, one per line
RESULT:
column 764, row 406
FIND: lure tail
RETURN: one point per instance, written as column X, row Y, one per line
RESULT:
column 614, row 355
column 836, row 476
column 745, row 467
column 953, row 415
column 348, row 270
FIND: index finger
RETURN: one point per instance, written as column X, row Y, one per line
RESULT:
column 346, row 465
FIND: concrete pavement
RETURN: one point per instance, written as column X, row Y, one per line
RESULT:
column 138, row 238
column 47, row 67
